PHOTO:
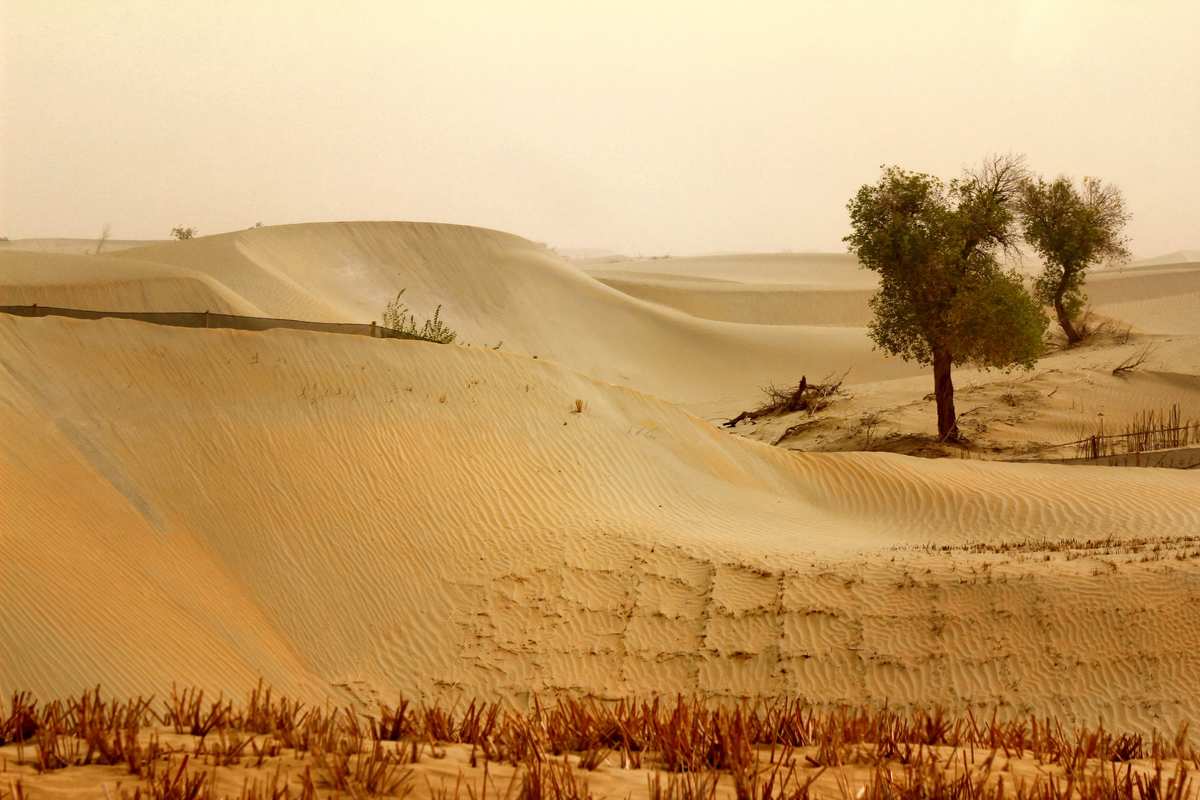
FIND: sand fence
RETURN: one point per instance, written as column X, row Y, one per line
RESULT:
column 207, row 319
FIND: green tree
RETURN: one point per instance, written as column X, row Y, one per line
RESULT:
column 1071, row 229
column 944, row 298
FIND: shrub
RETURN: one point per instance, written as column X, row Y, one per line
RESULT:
column 396, row 317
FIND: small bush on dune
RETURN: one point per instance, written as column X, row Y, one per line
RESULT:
column 396, row 317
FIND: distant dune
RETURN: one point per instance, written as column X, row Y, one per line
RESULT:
column 105, row 283
column 71, row 246
column 1156, row 295
column 1175, row 257
column 828, row 270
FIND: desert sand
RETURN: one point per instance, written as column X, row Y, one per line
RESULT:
column 549, row 508
column 351, row 518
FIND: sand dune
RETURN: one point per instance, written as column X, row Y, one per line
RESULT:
column 350, row 517
column 355, row 517
column 104, row 283
column 760, row 304
column 1174, row 257
column 1154, row 296
column 494, row 288
column 831, row 270
column 824, row 289
column 1162, row 301
column 71, row 246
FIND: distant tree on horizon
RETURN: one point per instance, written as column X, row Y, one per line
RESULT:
column 944, row 298
column 179, row 232
column 1071, row 229
column 103, row 239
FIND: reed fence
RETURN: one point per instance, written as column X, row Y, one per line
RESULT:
column 207, row 319
column 1147, row 432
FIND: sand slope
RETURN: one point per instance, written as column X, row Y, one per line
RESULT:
column 759, row 304
column 813, row 270
column 494, row 288
column 1162, row 300
column 104, row 283
column 756, row 288
column 71, row 246
column 355, row 516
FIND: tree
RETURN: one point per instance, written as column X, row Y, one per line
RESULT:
column 103, row 238
column 1071, row 229
column 944, row 299
column 181, row 233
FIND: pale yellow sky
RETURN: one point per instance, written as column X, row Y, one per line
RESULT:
column 641, row 127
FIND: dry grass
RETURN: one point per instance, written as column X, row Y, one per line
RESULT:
column 1133, row 362
column 767, row 750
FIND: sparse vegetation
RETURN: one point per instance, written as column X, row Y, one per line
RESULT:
column 396, row 317
column 181, row 233
column 944, row 299
column 1132, row 362
column 868, row 424
column 804, row 396
column 768, row 750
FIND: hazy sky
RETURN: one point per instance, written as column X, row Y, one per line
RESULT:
column 645, row 127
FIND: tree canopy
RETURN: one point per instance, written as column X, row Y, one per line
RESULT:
column 1071, row 229
column 944, row 298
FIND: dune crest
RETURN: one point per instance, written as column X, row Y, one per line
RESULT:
column 499, row 288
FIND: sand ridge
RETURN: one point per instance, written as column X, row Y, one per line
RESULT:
column 105, row 283
column 1155, row 296
column 496, row 289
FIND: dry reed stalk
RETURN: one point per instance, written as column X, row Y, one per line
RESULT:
column 1150, row 430
column 690, row 738
column 684, row 786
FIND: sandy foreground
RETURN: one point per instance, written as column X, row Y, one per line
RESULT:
column 351, row 519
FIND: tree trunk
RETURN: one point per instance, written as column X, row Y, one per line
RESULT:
column 943, row 391
column 1064, row 320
